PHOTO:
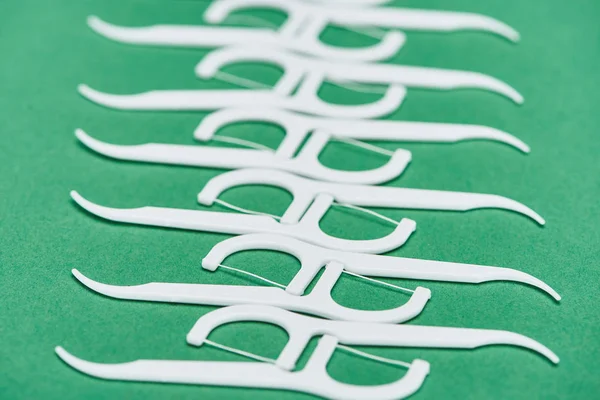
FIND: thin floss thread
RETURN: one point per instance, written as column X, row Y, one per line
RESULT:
column 379, row 282
column 245, row 210
column 250, row 84
column 237, row 80
column 350, row 141
column 335, row 203
column 367, row 211
column 373, row 357
column 240, row 352
column 253, row 275
column 366, row 146
column 241, row 142
column 241, row 271
column 256, row 357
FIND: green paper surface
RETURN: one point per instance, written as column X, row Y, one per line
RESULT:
column 47, row 50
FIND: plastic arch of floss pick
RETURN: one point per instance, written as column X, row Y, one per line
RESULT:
column 211, row 36
column 298, row 126
column 307, row 228
column 319, row 302
column 305, row 100
column 305, row 163
column 305, row 190
column 312, row 379
column 371, row 16
column 296, row 66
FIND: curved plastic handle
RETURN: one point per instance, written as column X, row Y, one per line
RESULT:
column 312, row 379
column 295, row 66
column 381, row 17
column 319, row 302
column 297, row 126
column 305, row 163
column 305, row 100
column 211, row 36
column 312, row 258
column 221, row 222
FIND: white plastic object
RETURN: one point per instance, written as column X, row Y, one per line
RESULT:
column 304, row 191
column 369, row 16
column 296, row 67
column 319, row 302
column 301, row 329
column 299, row 126
column 305, row 163
column 305, row 100
column 307, row 228
column 312, row 257
column 313, row 378
column 210, row 36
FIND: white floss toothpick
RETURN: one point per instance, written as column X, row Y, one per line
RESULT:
column 297, row 67
column 313, row 378
column 304, row 191
column 305, row 162
column 211, row 36
column 305, row 100
column 307, row 21
column 307, row 228
column 318, row 302
column 297, row 127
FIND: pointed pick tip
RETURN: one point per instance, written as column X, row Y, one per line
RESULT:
column 93, row 21
column 82, row 202
column 62, row 354
column 557, row 296
column 519, row 99
column 85, row 90
column 77, row 198
column 98, row 25
column 538, row 218
column 546, row 288
column 553, row 357
column 88, row 141
column 79, row 276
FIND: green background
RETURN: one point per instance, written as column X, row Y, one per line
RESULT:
column 47, row 50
